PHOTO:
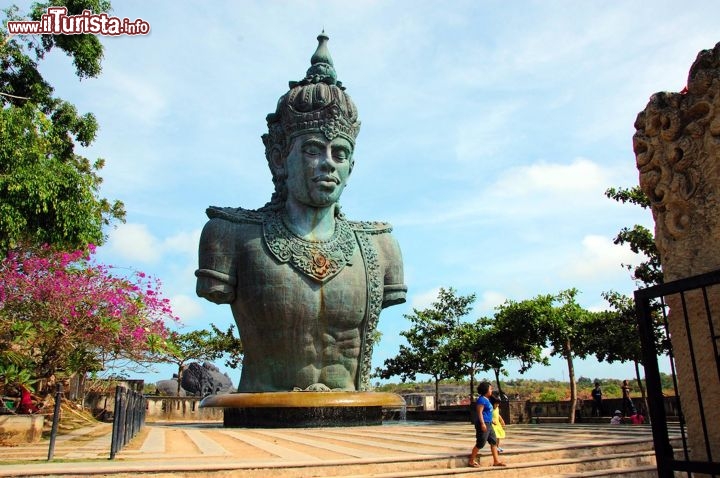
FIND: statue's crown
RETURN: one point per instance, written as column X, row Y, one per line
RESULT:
column 318, row 102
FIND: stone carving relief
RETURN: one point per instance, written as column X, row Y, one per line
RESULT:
column 677, row 145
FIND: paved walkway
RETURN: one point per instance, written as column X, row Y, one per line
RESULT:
column 186, row 447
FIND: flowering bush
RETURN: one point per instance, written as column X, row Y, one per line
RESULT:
column 62, row 311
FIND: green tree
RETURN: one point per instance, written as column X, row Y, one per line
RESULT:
column 552, row 320
column 432, row 346
column 48, row 193
column 517, row 330
column 228, row 345
column 648, row 273
column 639, row 238
column 612, row 335
column 564, row 330
column 484, row 350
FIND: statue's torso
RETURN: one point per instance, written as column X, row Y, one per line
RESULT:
column 296, row 331
column 305, row 311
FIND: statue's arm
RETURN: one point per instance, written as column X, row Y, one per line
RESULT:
column 217, row 262
column 395, row 289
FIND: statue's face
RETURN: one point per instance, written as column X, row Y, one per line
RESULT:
column 317, row 169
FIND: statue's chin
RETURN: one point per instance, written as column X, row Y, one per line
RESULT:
column 321, row 202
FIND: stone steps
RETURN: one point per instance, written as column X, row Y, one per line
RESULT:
column 631, row 464
column 432, row 450
column 597, row 461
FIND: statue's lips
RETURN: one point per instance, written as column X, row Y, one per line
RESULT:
column 325, row 179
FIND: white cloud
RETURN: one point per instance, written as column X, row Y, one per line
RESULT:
column 599, row 257
column 542, row 180
column 135, row 97
column 186, row 308
column 482, row 138
column 185, row 242
column 538, row 190
column 134, row 242
column 424, row 300
column 488, row 301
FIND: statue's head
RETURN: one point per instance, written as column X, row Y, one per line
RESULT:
column 318, row 104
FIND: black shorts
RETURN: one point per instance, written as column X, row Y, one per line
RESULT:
column 482, row 437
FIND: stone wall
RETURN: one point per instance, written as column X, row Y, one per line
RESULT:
column 523, row 411
column 158, row 408
column 180, row 409
column 19, row 429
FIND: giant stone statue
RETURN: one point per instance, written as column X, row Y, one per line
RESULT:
column 305, row 284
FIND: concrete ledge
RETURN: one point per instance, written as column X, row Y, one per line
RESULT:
column 537, row 420
column 18, row 429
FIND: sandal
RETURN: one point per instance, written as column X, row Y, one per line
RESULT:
column 474, row 464
column 500, row 463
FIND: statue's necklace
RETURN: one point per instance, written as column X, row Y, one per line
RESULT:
column 319, row 260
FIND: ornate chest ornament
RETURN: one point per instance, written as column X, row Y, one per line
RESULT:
column 319, row 260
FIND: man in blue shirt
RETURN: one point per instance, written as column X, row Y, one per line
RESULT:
column 484, row 432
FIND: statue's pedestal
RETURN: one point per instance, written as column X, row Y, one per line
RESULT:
column 303, row 409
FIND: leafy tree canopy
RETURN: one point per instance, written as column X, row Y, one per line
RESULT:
column 546, row 320
column 228, row 345
column 431, row 347
column 48, row 193
column 639, row 238
column 520, row 329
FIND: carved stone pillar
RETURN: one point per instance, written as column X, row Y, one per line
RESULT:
column 677, row 147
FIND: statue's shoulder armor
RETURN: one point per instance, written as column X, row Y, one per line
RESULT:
column 371, row 227
column 236, row 214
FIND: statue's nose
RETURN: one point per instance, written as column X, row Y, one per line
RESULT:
column 326, row 160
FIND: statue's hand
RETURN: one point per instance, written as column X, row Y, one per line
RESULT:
column 318, row 387
column 215, row 290
column 217, row 296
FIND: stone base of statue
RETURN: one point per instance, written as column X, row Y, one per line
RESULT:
column 303, row 409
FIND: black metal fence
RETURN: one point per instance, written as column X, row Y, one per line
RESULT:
column 655, row 299
column 128, row 419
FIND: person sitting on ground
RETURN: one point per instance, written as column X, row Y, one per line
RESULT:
column 617, row 418
column 26, row 405
column 637, row 418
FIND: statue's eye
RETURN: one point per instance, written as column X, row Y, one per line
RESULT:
column 311, row 150
column 340, row 155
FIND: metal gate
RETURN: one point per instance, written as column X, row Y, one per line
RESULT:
column 128, row 419
column 656, row 299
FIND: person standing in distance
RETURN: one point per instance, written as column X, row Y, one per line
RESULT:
column 597, row 408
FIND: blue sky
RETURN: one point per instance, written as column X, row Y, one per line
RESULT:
column 490, row 131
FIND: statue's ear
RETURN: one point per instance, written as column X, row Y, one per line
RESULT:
column 277, row 159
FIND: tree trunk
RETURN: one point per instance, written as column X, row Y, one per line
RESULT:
column 437, row 393
column 472, row 383
column 81, row 388
column 179, row 374
column 497, row 381
column 573, row 385
column 642, row 391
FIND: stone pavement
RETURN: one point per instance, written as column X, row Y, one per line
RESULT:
column 173, row 449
